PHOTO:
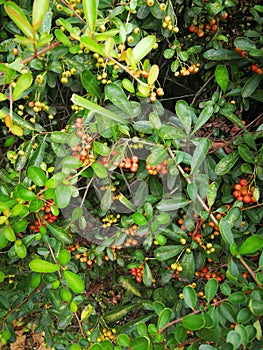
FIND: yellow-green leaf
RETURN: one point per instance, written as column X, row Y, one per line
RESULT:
column 90, row 13
column 153, row 74
column 40, row 8
column 16, row 130
column 23, row 83
column 143, row 47
column 18, row 16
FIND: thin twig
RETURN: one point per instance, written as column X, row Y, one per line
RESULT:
column 80, row 325
column 252, row 273
column 75, row 13
column 85, row 193
column 54, row 258
column 201, row 90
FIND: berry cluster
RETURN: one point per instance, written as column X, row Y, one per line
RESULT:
column 167, row 24
column 177, row 269
column 187, row 70
column 161, row 168
column 67, row 74
column 82, row 150
column 208, row 274
column 243, row 192
column 48, row 216
column 130, row 163
column 241, row 52
column 110, row 220
column 256, row 69
column 137, row 273
column 105, row 334
column 158, row 92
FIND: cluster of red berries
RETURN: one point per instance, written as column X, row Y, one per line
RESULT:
column 207, row 274
column 210, row 28
column 137, row 273
column 161, row 168
column 256, row 69
column 130, row 163
column 48, row 216
column 82, row 150
column 243, row 192
column 241, row 52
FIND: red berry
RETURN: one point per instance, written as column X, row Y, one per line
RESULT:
column 254, row 67
column 243, row 182
column 236, row 194
column 247, row 199
column 192, row 28
column 259, row 71
column 237, row 187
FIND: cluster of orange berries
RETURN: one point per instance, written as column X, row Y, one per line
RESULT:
column 241, row 52
column 130, row 163
column 256, row 69
column 82, row 151
column 185, row 71
column 48, row 216
column 72, row 248
column 137, row 273
column 161, row 168
column 158, row 92
column 210, row 28
column 205, row 273
column 242, row 192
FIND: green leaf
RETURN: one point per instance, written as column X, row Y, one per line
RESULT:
column 143, row 47
column 211, row 289
column 43, row 266
column 19, row 18
column 128, row 85
column 118, row 97
column 221, row 55
column 153, row 74
column 82, row 102
column 190, row 297
column 90, row 83
column 22, row 84
column 227, row 112
column 193, row 322
column 92, row 45
column 141, row 343
column 147, row 275
column 200, row 152
column 100, row 170
column 39, row 11
column 212, row 193
column 250, row 85
column 222, row 77
column 244, row 43
column 62, row 195
column 22, row 159
column 183, row 112
column 4, row 302
column 86, row 312
column 233, row 338
column 164, row 318
column 90, row 13
column 139, row 219
column 27, row 195
column 172, row 204
column 237, row 298
column 188, row 265
column 119, row 313
column 251, row 245
column 205, row 114
column 101, row 148
column 167, row 252
column 9, row 233
column 245, row 153
column 256, row 307
column 129, row 285
column 123, row 340
column 62, row 38
column 157, row 155
column 226, row 232
column 74, row 281
column 155, row 120
column 37, row 175
column 20, row 249
column 227, row 163
column 59, row 233
column 233, row 216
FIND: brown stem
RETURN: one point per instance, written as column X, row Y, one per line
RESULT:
column 251, row 272
column 39, row 53
column 11, row 103
column 55, row 260
column 80, row 325
column 75, row 13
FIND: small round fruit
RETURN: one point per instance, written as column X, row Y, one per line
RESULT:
column 254, row 67
column 192, row 28
column 246, row 199
column 243, row 182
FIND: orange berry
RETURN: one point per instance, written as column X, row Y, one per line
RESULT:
column 254, row 67
column 259, row 71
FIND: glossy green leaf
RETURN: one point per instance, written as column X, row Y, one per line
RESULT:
column 74, row 281
column 164, row 318
column 20, row 249
column 143, row 47
column 212, row 193
column 62, row 195
column 62, row 38
column 90, row 83
column 227, row 112
column 200, row 153
column 139, row 219
column 226, row 163
column 82, row 102
column 123, row 340
column 250, row 85
column 234, row 338
column 100, row 170
column 193, row 322
column 101, row 148
column 22, row 159
column 43, row 266
column 153, row 74
column 9, row 233
column 118, row 97
column 226, row 232
column 129, row 285
column 184, row 114
column 233, row 216
column 251, row 245
column 4, row 302
column 172, row 204
column 190, row 297
column 37, row 175
column 90, row 13
column 188, row 265
column 221, row 55
column 245, row 153
column 59, row 233
column 167, row 252
column 147, row 275
column 27, row 195
column 222, row 76
column 119, row 313
column 244, row 43
column 237, row 298
column 39, row 11
column 128, row 85
column 23, row 83
column 157, row 155
column 211, row 289
column 204, row 116
column 255, row 306
column 19, row 18
column 92, row 45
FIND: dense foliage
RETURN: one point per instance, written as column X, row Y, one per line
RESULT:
column 131, row 174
